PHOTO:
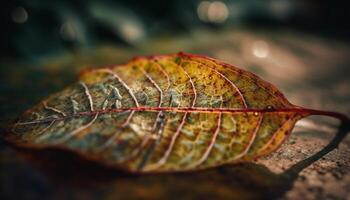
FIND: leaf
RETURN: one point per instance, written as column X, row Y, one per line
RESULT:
column 164, row 113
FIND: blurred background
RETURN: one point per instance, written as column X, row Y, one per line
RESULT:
column 301, row 46
column 34, row 29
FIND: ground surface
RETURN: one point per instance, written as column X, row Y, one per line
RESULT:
column 311, row 71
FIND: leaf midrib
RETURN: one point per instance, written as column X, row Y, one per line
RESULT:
column 301, row 111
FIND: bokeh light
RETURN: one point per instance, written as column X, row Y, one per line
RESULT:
column 214, row 12
column 260, row 49
column 19, row 15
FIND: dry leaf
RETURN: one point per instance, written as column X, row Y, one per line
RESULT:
column 164, row 113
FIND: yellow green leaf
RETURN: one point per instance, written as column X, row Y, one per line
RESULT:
column 163, row 113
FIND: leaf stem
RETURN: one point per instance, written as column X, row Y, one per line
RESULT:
column 342, row 117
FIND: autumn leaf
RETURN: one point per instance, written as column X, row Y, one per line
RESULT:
column 164, row 113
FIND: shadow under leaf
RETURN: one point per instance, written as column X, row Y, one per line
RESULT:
column 80, row 179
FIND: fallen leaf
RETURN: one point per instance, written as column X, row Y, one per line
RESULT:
column 164, row 113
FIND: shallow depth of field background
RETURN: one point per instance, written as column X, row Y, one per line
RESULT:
column 301, row 46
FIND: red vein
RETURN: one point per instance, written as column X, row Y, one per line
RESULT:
column 234, row 86
column 53, row 109
column 212, row 141
column 251, row 141
column 88, row 95
column 151, row 149
column 192, row 85
column 124, row 85
column 143, row 143
column 110, row 140
column 155, row 123
column 259, row 81
column 172, row 142
column 229, row 81
column 131, row 114
column 160, row 95
column 127, row 121
column 275, row 133
column 155, row 85
column 165, row 74
column 137, row 150
column 114, row 136
column 129, row 91
column 41, row 137
column 302, row 111
column 76, row 131
column 267, row 87
column 183, row 120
